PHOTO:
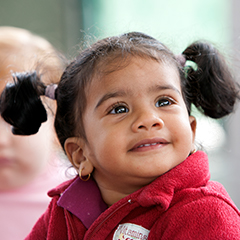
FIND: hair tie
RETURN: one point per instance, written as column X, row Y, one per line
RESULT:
column 190, row 66
column 50, row 91
column 187, row 65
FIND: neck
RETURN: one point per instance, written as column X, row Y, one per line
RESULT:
column 110, row 196
column 115, row 190
column 114, row 194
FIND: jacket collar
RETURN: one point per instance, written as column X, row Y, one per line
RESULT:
column 191, row 173
column 83, row 199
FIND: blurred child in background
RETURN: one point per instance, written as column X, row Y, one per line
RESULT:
column 29, row 165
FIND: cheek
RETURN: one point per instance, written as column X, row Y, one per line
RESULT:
column 29, row 156
column 182, row 130
column 27, row 163
column 104, row 145
column 36, row 151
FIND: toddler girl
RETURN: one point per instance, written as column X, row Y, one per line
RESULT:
column 124, row 120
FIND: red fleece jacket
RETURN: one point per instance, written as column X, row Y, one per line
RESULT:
column 180, row 204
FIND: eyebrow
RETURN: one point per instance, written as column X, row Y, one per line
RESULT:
column 122, row 93
column 164, row 87
column 110, row 95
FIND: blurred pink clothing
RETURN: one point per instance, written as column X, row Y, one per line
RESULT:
column 21, row 208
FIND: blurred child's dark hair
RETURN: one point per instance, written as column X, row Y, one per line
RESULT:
column 207, row 82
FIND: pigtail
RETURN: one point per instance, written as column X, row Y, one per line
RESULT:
column 210, row 85
column 20, row 103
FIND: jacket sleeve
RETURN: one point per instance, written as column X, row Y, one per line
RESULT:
column 206, row 218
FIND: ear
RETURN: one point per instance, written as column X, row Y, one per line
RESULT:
column 193, row 124
column 74, row 148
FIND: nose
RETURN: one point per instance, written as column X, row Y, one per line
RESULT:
column 147, row 120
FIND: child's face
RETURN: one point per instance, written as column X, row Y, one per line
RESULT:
column 23, row 158
column 136, row 124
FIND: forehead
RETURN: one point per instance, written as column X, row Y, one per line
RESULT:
column 137, row 73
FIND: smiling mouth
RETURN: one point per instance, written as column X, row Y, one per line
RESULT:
column 149, row 144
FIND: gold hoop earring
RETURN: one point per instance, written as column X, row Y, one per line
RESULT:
column 84, row 179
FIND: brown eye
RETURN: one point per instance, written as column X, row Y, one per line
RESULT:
column 119, row 109
column 163, row 102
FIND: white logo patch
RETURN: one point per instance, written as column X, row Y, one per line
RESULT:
column 129, row 231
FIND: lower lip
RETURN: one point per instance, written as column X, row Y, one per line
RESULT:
column 149, row 148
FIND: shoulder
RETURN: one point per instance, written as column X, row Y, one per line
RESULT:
column 208, row 209
column 208, row 214
column 210, row 204
column 51, row 225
